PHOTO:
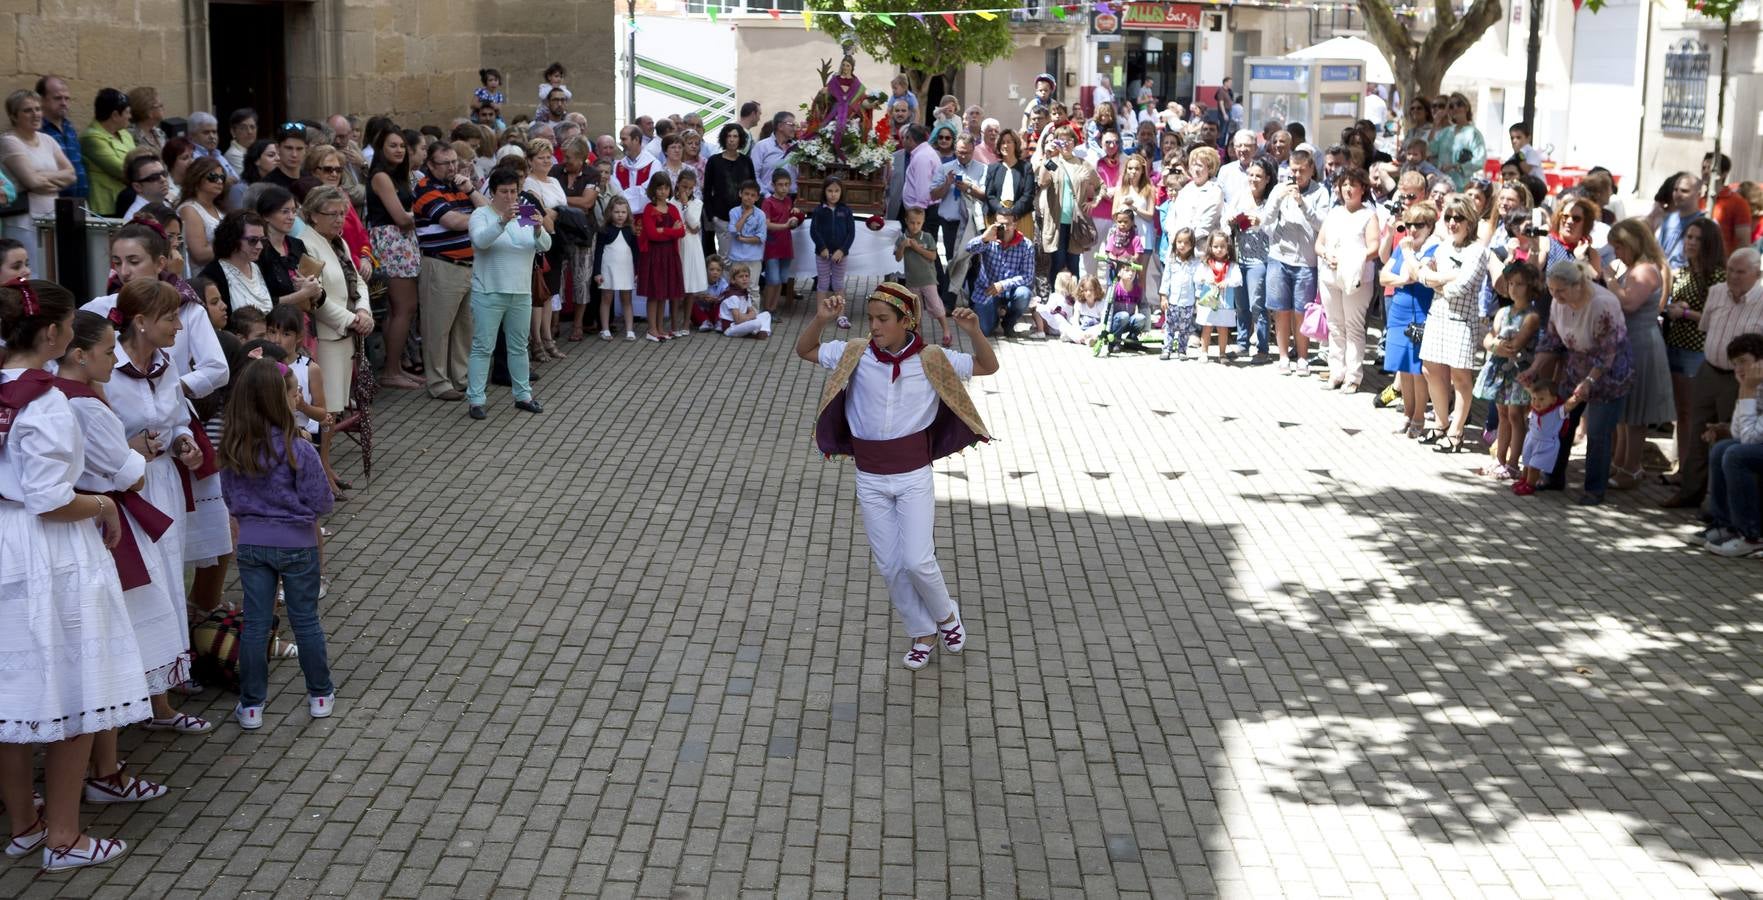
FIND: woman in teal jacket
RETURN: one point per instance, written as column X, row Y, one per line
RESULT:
column 505, row 236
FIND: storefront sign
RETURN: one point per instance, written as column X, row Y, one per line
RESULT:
column 1145, row 17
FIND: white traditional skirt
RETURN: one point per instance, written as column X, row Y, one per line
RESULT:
column 157, row 609
column 69, row 663
column 208, row 532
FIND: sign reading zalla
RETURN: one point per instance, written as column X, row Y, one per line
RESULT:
column 1144, row 17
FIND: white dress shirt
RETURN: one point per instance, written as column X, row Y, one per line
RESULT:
column 880, row 407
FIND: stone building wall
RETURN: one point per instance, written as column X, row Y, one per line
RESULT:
column 414, row 59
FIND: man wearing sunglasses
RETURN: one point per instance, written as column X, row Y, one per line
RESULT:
column 148, row 180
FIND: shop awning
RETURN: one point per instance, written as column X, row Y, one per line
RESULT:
column 1377, row 68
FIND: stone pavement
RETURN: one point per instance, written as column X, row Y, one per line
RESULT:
column 1230, row 638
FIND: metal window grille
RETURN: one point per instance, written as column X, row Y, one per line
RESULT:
column 1686, row 87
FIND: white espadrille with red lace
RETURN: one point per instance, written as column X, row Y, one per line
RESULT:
column 96, row 851
column 918, row 657
column 954, row 635
column 123, row 788
column 23, row 845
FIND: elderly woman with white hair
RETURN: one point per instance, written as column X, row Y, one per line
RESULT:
column 985, row 148
column 1584, row 355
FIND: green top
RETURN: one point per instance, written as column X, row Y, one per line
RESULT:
column 103, row 154
column 919, row 271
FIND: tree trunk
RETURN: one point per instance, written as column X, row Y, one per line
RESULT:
column 1420, row 66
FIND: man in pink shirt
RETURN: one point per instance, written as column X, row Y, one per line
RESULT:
column 922, row 164
column 1108, row 169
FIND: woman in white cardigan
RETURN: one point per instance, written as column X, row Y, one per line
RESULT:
column 343, row 311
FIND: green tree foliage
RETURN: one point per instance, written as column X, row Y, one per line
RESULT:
column 924, row 47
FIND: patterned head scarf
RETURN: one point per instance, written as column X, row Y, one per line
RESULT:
column 901, row 298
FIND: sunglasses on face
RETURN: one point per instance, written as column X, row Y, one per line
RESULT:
column 1438, row 106
column 256, row 241
column 331, row 170
column 1576, row 217
column 1453, row 217
column 150, row 178
column 215, row 178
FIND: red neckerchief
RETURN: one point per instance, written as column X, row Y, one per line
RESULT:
column 18, row 393
column 1011, row 241
column 159, row 366
column 913, row 345
column 1563, row 241
column 1544, row 412
column 75, row 389
column 1220, row 269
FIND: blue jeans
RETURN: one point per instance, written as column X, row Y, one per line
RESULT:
column 513, row 315
column 1733, row 476
column 1252, row 306
column 1289, row 288
column 1125, row 325
column 297, row 569
column 1014, row 302
column 1599, row 420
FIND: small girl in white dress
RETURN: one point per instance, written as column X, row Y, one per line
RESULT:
column 615, row 267
column 691, row 250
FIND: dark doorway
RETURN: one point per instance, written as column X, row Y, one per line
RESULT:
column 247, row 62
column 1172, row 76
column 933, row 92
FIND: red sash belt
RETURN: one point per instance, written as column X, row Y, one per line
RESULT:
column 130, row 566
column 207, row 469
column 893, row 457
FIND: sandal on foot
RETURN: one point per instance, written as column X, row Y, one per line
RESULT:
column 918, row 657
column 182, row 723
column 123, row 788
column 61, row 859
column 23, row 845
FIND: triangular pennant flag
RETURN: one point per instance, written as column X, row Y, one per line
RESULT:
column 711, row 11
column 807, row 19
column 1059, row 13
column 632, row 24
column 985, row 14
column 775, row 14
column 845, row 17
column 1104, row 8
column 885, row 19
column 949, row 18
column 919, row 17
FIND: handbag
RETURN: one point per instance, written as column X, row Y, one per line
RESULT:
column 1315, row 324
column 1415, row 332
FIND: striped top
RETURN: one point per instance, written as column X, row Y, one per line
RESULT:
column 1724, row 318
column 433, row 202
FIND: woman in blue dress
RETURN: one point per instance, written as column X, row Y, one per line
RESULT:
column 1408, row 308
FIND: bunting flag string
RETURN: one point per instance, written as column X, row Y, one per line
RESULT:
column 1059, row 11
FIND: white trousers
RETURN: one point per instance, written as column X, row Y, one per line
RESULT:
column 1346, row 306
column 759, row 323
column 899, row 514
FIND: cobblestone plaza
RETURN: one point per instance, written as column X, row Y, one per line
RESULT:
column 1230, row 638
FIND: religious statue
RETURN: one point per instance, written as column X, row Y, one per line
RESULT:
column 844, row 90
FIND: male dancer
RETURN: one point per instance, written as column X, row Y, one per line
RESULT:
column 896, row 405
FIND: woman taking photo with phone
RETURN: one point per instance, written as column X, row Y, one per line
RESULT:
column 1068, row 189
column 505, row 235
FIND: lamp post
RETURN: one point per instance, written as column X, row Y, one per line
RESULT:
column 630, row 61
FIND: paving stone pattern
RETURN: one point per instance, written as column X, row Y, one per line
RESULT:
column 1230, row 638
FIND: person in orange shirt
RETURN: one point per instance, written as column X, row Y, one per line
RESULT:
column 1730, row 210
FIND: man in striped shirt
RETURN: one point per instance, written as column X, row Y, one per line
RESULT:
column 445, row 199
column 1732, row 309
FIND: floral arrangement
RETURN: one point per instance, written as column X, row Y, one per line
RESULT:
column 864, row 153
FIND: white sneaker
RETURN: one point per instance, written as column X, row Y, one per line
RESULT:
column 630, row 335
column 249, row 718
column 605, row 335
column 321, row 707
column 918, row 657
column 95, row 852
column 1738, row 547
column 1715, row 535
column 844, row 322
column 1304, row 368
column 707, row 326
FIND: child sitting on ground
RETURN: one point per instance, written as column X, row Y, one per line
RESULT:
column 739, row 318
column 1090, row 313
column 704, row 309
column 1128, row 320
column 1053, row 316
